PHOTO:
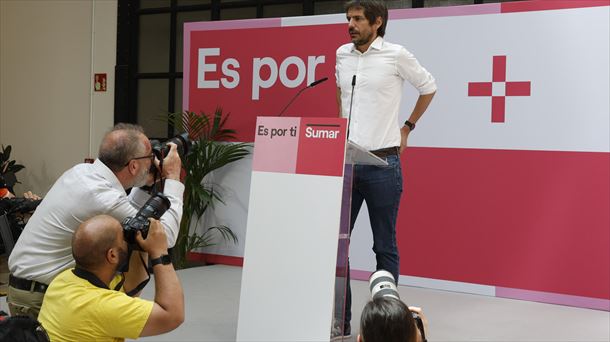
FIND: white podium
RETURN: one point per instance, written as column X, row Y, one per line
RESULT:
column 295, row 212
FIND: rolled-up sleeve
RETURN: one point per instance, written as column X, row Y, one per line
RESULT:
column 408, row 68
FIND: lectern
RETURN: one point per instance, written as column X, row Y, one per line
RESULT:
column 297, row 232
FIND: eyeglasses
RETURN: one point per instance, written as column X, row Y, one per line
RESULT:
column 150, row 156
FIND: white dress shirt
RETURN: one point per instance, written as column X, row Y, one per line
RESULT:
column 44, row 248
column 380, row 72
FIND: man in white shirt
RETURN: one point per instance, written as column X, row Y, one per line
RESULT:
column 86, row 190
column 375, row 70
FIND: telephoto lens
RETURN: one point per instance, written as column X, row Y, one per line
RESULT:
column 155, row 207
column 382, row 284
column 183, row 146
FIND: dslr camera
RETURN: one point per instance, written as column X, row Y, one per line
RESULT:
column 155, row 207
column 161, row 149
column 382, row 284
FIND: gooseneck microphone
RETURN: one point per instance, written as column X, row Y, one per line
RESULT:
column 351, row 101
column 311, row 85
column 315, row 83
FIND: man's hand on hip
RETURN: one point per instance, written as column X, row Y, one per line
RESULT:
column 404, row 134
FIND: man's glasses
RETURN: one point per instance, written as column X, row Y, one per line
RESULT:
column 150, row 156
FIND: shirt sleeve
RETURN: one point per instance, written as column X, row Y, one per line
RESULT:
column 174, row 190
column 137, row 197
column 121, row 316
column 116, row 203
column 409, row 69
column 337, row 71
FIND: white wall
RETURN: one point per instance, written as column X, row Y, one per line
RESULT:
column 49, row 50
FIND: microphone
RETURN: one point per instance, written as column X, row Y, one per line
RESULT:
column 315, row 83
column 311, row 85
column 351, row 101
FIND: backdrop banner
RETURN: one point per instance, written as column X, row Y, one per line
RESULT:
column 507, row 177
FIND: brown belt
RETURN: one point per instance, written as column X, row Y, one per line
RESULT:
column 384, row 152
column 27, row 285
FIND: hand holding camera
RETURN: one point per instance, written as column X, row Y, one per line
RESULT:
column 154, row 208
column 418, row 312
column 155, row 244
column 168, row 155
column 172, row 165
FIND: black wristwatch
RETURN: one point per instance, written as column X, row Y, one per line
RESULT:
column 410, row 125
column 163, row 260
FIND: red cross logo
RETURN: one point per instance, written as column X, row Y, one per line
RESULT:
column 499, row 89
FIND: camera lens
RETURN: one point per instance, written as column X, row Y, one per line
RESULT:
column 182, row 141
column 382, row 284
column 155, row 207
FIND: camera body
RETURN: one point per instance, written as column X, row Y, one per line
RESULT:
column 382, row 284
column 161, row 149
column 155, row 207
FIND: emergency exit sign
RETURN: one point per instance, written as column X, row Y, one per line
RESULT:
column 99, row 82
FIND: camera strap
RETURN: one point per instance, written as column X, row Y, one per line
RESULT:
column 143, row 284
column 158, row 184
column 94, row 280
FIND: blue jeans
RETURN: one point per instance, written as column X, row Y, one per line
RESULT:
column 381, row 188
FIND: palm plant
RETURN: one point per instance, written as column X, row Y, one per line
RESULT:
column 210, row 151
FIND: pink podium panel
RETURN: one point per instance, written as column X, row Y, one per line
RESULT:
column 294, row 214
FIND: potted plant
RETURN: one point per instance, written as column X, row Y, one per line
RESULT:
column 8, row 168
column 211, row 150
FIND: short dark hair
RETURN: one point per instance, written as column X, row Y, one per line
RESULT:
column 120, row 145
column 386, row 319
column 372, row 10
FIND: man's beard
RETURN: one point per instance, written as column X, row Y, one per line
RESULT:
column 123, row 260
column 363, row 40
column 142, row 179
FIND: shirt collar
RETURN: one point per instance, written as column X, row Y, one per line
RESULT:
column 377, row 44
column 102, row 169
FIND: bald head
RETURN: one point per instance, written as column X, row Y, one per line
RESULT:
column 122, row 143
column 93, row 239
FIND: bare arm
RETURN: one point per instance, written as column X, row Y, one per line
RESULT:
column 420, row 108
column 168, row 310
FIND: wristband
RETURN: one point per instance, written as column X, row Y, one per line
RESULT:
column 410, row 125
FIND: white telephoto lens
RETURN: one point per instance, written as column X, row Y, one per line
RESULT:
column 382, row 284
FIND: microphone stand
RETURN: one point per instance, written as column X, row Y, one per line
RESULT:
column 313, row 84
column 291, row 101
column 351, row 101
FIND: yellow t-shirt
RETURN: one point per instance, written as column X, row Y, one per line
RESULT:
column 73, row 309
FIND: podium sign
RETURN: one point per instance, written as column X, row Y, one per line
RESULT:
column 294, row 215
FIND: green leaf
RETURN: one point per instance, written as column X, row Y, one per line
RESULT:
column 211, row 151
column 7, row 165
